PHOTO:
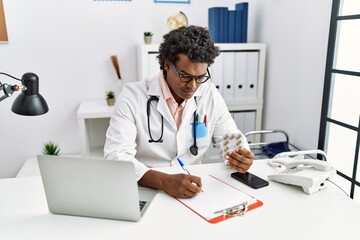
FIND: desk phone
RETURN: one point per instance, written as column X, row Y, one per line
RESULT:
column 310, row 174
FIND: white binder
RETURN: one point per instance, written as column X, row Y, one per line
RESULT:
column 240, row 75
column 252, row 74
column 249, row 119
column 216, row 72
column 229, row 74
column 239, row 118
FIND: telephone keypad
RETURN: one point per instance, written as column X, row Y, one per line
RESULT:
column 291, row 171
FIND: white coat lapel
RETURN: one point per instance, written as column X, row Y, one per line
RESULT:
column 189, row 110
column 192, row 106
column 162, row 108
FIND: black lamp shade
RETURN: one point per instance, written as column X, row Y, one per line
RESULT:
column 30, row 102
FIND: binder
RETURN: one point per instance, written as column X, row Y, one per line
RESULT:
column 214, row 23
column 243, row 9
column 223, row 25
column 233, row 114
column 239, row 118
column 231, row 26
column 217, row 73
column 229, row 75
column 238, row 25
column 240, row 75
column 249, row 120
column 218, row 24
column 220, row 201
column 252, row 74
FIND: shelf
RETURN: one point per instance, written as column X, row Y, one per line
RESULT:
column 244, row 105
column 99, row 108
column 94, row 109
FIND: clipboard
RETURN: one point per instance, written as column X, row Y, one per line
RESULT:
column 220, row 201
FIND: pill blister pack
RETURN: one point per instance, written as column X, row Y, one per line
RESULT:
column 230, row 142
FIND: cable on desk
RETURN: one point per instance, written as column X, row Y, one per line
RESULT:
column 338, row 187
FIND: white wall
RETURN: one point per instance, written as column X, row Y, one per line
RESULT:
column 68, row 45
column 297, row 36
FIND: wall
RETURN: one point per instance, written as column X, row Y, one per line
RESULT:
column 297, row 35
column 68, row 45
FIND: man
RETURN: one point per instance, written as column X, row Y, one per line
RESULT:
column 177, row 114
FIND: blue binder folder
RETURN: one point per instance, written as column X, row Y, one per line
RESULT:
column 242, row 20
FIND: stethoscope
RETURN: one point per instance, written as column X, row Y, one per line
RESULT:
column 193, row 148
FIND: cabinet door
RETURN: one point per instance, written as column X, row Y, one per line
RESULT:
column 153, row 65
column 245, row 121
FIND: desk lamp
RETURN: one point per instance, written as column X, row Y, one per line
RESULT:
column 29, row 102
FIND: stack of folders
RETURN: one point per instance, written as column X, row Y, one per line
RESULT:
column 229, row 26
column 235, row 74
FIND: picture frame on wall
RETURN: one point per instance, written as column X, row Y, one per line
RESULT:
column 3, row 31
column 172, row 1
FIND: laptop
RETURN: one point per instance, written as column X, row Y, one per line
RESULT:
column 91, row 187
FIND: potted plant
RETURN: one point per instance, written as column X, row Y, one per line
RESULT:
column 110, row 98
column 148, row 37
column 51, row 148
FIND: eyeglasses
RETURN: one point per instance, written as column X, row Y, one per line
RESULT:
column 188, row 78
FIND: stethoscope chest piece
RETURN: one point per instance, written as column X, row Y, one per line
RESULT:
column 194, row 147
column 194, row 150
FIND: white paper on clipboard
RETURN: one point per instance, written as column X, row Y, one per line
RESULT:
column 216, row 196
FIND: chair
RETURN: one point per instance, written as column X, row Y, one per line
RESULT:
column 270, row 149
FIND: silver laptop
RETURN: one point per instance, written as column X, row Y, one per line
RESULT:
column 93, row 188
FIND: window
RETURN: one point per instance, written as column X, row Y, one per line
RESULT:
column 340, row 118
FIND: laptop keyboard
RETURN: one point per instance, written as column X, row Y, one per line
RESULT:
column 142, row 205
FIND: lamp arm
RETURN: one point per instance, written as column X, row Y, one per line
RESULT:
column 7, row 88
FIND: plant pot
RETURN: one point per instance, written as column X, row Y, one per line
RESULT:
column 110, row 101
column 147, row 39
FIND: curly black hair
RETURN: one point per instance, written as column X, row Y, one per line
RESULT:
column 193, row 41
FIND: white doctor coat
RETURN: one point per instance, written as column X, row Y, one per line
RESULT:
column 127, row 137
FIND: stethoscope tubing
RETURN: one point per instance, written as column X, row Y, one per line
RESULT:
column 193, row 148
column 151, row 140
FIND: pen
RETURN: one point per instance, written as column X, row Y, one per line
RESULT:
column 183, row 167
column 205, row 120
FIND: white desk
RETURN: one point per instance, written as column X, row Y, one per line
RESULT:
column 287, row 213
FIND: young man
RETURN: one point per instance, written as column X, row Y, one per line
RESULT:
column 153, row 121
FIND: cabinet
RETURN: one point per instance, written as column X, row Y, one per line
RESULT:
column 238, row 73
column 93, row 119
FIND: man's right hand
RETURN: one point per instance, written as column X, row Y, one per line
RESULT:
column 176, row 185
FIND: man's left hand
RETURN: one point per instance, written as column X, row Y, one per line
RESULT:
column 241, row 159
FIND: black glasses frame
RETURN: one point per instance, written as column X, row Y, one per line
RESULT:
column 186, row 78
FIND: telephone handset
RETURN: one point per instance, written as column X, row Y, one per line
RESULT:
column 310, row 174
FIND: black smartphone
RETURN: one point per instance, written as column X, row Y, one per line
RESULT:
column 250, row 179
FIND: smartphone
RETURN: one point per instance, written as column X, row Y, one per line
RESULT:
column 250, row 179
